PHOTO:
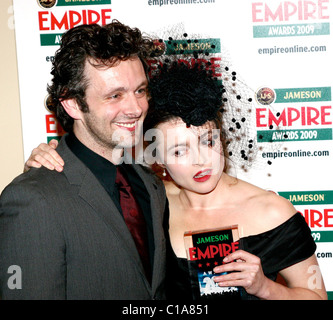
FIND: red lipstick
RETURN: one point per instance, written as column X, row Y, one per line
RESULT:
column 203, row 175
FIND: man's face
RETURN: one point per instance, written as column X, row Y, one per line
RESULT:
column 117, row 101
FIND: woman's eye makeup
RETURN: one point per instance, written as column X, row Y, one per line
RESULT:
column 179, row 152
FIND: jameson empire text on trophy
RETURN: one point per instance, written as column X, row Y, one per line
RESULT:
column 206, row 250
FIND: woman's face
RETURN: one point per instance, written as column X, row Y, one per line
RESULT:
column 192, row 156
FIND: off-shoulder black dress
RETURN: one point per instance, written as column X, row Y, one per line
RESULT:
column 279, row 248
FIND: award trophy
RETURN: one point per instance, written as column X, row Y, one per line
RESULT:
column 206, row 250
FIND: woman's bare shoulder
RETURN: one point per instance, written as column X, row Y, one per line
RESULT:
column 265, row 209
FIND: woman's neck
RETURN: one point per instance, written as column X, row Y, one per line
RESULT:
column 215, row 199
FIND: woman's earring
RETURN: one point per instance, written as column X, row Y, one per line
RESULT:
column 164, row 173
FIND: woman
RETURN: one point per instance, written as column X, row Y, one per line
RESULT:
column 192, row 147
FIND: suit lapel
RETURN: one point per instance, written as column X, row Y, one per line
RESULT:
column 157, row 210
column 92, row 192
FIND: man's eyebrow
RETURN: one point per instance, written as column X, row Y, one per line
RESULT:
column 113, row 91
column 124, row 89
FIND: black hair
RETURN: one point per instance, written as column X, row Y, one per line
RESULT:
column 189, row 92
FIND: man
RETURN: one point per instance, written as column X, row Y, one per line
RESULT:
column 67, row 232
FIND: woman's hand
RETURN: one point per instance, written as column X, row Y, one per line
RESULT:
column 245, row 271
column 45, row 155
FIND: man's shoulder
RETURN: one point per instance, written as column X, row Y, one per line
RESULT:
column 41, row 176
column 40, row 179
column 35, row 180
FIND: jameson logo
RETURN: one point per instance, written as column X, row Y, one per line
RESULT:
column 212, row 245
column 311, row 94
column 215, row 238
column 191, row 46
column 205, row 250
column 267, row 96
column 308, row 197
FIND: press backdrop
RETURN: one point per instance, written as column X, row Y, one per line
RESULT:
column 281, row 50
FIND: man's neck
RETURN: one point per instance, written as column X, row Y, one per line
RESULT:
column 114, row 155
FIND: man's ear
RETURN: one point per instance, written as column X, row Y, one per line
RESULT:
column 72, row 108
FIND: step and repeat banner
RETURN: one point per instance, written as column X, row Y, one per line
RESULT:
column 280, row 51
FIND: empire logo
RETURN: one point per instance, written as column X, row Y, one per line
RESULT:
column 286, row 10
column 318, row 218
column 52, row 125
column 304, row 116
column 309, row 13
column 61, row 20
column 48, row 21
column 300, row 115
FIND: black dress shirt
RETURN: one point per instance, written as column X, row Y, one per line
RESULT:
column 105, row 172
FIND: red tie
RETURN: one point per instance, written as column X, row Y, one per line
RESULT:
column 134, row 218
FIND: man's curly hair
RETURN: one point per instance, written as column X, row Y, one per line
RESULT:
column 99, row 45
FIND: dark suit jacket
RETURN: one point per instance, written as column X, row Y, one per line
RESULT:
column 69, row 239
